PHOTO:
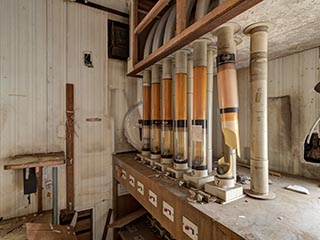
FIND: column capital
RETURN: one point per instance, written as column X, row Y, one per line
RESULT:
column 230, row 25
column 259, row 26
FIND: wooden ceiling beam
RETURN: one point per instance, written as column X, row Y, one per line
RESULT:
column 216, row 17
column 154, row 12
column 145, row 5
column 181, row 16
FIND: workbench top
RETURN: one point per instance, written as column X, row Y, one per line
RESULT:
column 35, row 160
column 290, row 216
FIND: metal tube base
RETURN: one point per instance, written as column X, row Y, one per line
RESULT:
column 198, row 181
column 161, row 167
column 225, row 194
column 140, row 157
column 177, row 173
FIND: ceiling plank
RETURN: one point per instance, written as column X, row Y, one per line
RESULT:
column 145, row 5
column 154, row 12
column 181, row 16
column 216, row 17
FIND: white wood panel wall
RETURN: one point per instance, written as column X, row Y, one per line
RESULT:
column 41, row 49
column 124, row 93
column 27, row 104
column 294, row 76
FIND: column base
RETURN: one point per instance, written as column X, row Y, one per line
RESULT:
column 268, row 196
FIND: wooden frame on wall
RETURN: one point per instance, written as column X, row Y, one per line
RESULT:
column 118, row 40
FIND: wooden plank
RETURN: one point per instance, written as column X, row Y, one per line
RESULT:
column 128, row 219
column 224, row 233
column 35, row 160
column 114, row 201
column 160, row 5
column 31, row 165
column 84, row 236
column 145, row 6
column 181, row 16
column 39, row 188
column 142, row 232
column 83, row 225
column 106, row 228
column 37, row 231
column 219, row 15
column 70, row 145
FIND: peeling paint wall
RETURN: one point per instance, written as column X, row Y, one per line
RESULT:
column 41, row 49
column 293, row 107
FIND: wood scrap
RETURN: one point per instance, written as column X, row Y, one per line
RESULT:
column 37, row 231
column 128, row 219
column 106, row 228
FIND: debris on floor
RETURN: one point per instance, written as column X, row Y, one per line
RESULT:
column 243, row 179
column 298, row 189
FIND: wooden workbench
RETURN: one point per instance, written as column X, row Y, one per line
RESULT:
column 290, row 216
column 37, row 161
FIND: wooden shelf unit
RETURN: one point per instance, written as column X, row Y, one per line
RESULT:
column 227, row 10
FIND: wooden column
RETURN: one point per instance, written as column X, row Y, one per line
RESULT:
column 70, row 145
column 135, row 49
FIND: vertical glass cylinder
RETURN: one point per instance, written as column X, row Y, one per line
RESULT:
column 166, row 131
column 181, row 118
column 146, row 119
column 181, row 112
column 199, row 122
column 181, row 142
column 155, row 137
column 228, row 100
column 155, row 134
column 146, row 96
column 228, row 87
column 166, row 140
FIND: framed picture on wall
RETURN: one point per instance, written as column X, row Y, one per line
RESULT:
column 118, row 40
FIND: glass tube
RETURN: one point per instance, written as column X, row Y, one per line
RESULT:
column 166, row 128
column 228, row 101
column 181, row 118
column 166, row 140
column 181, row 142
column 146, row 118
column 155, row 133
column 155, row 138
column 199, row 122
